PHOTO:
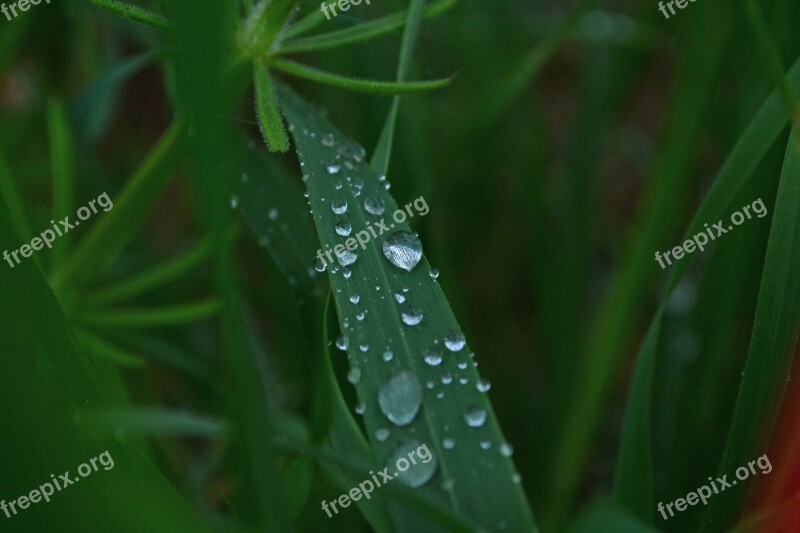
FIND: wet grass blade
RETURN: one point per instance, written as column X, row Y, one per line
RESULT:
column 432, row 402
column 772, row 342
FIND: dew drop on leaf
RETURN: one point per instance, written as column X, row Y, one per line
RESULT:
column 403, row 250
column 417, row 474
column 339, row 207
column 475, row 417
column 455, row 341
column 374, row 206
column 411, row 315
column 400, row 398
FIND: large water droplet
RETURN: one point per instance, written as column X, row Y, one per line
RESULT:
column 413, row 475
column 403, row 250
column 433, row 357
column 411, row 315
column 374, row 206
column 343, row 228
column 339, row 207
column 475, row 417
column 455, row 341
column 400, row 398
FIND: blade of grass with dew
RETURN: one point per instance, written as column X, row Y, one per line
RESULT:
column 115, row 228
column 737, row 169
column 49, row 380
column 356, row 84
column 383, row 150
column 775, row 333
column 63, row 170
column 400, row 395
column 133, row 13
column 365, row 31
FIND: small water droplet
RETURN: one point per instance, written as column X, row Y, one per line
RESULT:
column 355, row 298
column 343, row 228
column 346, row 257
column 486, row 444
column 327, row 140
column 415, row 475
column 411, row 315
column 506, row 450
column 273, row 214
column 388, row 355
column 381, row 434
column 482, row 385
column 354, row 375
column 448, row 443
column 455, row 341
column 434, row 273
column 339, row 207
column 374, row 206
column 360, row 408
column 400, row 398
column 347, row 273
column 462, row 365
column 363, row 347
column 463, row 381
column 360, row 316
column 342, row 342
column 475, row 417
column 234, row 202
column 447, row 379
column 320, row 265
column 352, row 150
column 333, row 169
column 433, row 357
column 399, row 297
column 516, row 478
column 403, row 250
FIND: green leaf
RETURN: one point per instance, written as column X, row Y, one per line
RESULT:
column 356, row 84
column 134, row 13
column 304, row 25
column 267, row 110
column 362, row 32
column 772, row 344
column 737, row 170
column 383, row 150
column 154, row 422
column 485, row 494
column 62, row 162
column 151, row 317
column 101, row 348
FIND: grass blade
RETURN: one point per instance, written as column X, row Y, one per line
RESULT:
column 269, row 114
column 134, row 13
column 357, row 84
column 149, row 318
column 489, row 496
column 364, row 31
column 62, row 162
column 772, row 343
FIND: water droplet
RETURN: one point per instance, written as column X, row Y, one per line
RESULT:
column 403, row 250
column 320, row 265
column 343, row 228
column 434, row 273
column 273, row 213
column 433, row 357
column 455, row 341
column 506, row 450
column 463, row 381
column 333, row 169
column 346, row 257
column 360, row 408
column 475, row 417
column 400, row 398
column 516, row 478
column 462, row 365
column 234, row 202
column 352, row 150
column 339, row 207
column 327, row 140
column 354, row 375
column 360, row 316
column 388, row 355
column 482, row 385
column 381, row 434
column 411, row 315
column 448, row 443
column 342, row 342
column 346, row 273
column 399, row 297
column 486, row 444
column 448, row 484
column 355, row 298
column 447, row 379
column 415, row 475
column 374, row 206
column 363, row 347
